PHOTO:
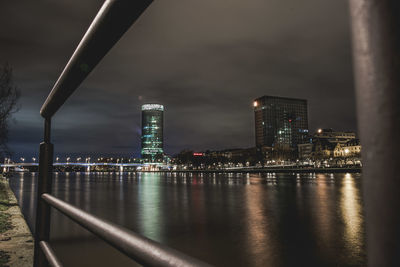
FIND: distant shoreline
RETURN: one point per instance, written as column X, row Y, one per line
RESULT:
column 271, row 170
column 251, row 170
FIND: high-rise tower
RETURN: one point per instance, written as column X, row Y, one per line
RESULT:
column 280, row 122
column 152, row 132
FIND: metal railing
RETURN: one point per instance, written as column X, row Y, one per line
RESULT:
column 112, row 21
column 376, row 42
column 376, row 52
column 139, row 248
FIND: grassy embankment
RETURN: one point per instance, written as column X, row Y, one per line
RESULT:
column 5, row 223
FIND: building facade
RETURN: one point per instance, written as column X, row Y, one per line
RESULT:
column 281, row 123
column 305, row 150
column 350, row 149
column 333, row 136
column 152, row 132
column 323, row 149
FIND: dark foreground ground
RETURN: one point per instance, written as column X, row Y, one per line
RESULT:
column 16, row 242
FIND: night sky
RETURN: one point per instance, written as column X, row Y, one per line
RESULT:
column 204, row 60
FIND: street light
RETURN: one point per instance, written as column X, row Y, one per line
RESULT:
column 23, row 159
column 34, row 159
column 68, row 158
column 57, row 158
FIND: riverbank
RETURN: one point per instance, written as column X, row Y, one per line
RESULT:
column 271, row 170
column 16, row 247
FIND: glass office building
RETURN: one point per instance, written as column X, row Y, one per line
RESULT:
column 152, row 132
column 280, row 122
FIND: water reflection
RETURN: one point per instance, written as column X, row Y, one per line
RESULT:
column 150, row 219
column 21, row 189
column 325, row 210
column 258, row 227
column 225, row 219
column 32, row 196
column 352, row 215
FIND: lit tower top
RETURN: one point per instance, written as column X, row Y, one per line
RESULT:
column 153, row 107
column 152, row 132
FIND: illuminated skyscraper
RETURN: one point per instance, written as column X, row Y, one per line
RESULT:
column 280, row 122
column 152, row 132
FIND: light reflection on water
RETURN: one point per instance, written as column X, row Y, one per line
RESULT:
column 224, row 219
column 149, row 212
column 259, row 229
column 352, row 215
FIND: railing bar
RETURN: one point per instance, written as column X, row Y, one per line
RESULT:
column 111, row 22
column 50, row 255
column 141, row 249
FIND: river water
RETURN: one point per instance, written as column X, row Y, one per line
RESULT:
column 223, row 219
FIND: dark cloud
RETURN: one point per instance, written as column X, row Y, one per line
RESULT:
column 204, row 60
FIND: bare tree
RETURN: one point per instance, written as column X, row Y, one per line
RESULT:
column 9, row 95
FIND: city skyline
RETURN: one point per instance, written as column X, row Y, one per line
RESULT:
column 151, row 111
column 273, row 53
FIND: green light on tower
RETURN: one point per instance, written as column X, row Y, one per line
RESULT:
column 152, row 132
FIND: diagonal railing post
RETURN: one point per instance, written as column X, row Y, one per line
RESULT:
column 42, row 226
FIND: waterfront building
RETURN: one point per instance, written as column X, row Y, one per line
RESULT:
column 152, row 132
column 280, row 122
column 323, row 149
column 305, row 150
column 334, row 137
column 240, row 154
column 350, row 149
column 327, row 143
column 217, row 158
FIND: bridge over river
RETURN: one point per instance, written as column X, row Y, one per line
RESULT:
column 87, row 165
